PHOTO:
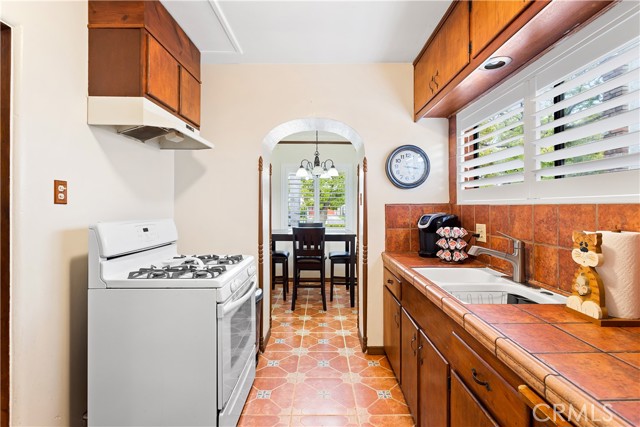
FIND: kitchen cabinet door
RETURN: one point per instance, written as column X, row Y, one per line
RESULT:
column 445, row 56
column 452, row 44
column 465, row 409
column 409, row 357
column 189, row 97
column 434, row 385
column 163, row 75
column 391, row 330
column 488, row 18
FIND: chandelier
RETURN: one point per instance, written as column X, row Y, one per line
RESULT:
column 317, row 168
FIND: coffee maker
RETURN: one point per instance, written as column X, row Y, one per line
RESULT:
column 428, row 225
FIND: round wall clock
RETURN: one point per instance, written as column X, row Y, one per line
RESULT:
column 408, row 166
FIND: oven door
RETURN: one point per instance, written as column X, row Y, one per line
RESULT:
column 236, row 338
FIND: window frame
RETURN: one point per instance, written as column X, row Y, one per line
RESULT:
column 613, row 29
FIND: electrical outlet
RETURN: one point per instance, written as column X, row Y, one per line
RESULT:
column 481, row 229
column 60, row 192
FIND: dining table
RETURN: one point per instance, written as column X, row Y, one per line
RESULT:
column 330, row 235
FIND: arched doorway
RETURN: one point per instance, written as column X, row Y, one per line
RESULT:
column 270, row 141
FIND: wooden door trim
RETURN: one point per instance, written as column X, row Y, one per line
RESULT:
column 260, row 245
column 5, row 220
column 365, row 259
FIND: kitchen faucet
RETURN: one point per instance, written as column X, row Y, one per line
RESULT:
column 516, row 258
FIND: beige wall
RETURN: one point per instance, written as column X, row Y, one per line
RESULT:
column 110, row 178
column 243, row 103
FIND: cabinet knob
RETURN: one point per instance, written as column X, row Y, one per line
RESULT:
column 389, row 281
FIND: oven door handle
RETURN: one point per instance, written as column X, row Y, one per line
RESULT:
column 227, row 308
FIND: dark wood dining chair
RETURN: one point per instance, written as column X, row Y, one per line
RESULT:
column 339, row 257
column 308, row 255
column 282, row 258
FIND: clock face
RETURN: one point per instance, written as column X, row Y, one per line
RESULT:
column 408, row 166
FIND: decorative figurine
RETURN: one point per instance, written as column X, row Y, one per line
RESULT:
column 588, row 291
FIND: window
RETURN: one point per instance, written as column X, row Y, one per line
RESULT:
column 567, row 128
column 317, row 200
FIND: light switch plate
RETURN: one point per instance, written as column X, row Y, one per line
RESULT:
column 481, row 229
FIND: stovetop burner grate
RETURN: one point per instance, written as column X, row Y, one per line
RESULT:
column 212, row 266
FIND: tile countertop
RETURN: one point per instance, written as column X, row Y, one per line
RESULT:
column 567, row 360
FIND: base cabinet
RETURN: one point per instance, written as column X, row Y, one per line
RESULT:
column 433, row 385
column 409, row 368
column 447, row 377
column 391, row 314
column 466, row 411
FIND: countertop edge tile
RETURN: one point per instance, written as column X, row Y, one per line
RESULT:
column 484, row 333
column 455, row 310
column 530, row 369
column 560, row 391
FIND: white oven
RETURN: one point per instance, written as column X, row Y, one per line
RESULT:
column 236, row 348
column 171, row 338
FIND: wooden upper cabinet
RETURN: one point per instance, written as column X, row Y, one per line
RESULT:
column 445, row 56
column 137, row 49
column 489, row 17
column 163, row 75
column 189, row 97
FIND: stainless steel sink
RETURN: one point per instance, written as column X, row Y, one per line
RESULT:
column 487, row 286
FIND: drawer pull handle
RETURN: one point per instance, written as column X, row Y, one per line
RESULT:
column 478, row 381
column 389, row 281
column 395, row 318
column 413, row 339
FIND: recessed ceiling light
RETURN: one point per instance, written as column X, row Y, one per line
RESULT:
column 495, row 62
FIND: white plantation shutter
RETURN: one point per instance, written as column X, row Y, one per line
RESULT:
column 296, row 202
column 491, row 151
column 588, row 122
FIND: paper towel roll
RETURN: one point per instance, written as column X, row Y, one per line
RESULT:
column 620, row 273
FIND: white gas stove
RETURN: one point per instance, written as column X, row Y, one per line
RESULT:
column 168, row 333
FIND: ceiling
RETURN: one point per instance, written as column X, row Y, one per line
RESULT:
column 308, row 32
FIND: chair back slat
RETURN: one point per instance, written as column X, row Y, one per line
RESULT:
column 308, row 242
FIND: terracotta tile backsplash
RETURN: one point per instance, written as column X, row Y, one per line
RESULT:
column 545, row 229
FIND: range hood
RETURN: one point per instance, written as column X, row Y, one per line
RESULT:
column 141, row 119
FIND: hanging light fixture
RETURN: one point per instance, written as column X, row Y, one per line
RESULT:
column 317, row 168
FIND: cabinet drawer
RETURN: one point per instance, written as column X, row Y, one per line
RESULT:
column 392, row 283
column 488, row 386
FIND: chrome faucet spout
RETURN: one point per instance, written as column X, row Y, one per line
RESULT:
column 516, row 259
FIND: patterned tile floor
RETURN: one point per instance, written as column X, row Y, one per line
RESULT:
column 313, row 372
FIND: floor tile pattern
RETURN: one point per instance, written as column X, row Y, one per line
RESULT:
column 313, row 372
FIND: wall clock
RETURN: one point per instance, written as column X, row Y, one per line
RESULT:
column 408, row 166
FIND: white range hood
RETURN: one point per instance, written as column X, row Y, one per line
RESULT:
column 141, row 119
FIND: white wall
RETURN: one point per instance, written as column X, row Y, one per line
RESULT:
column 243, row 103
column 110, row 178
